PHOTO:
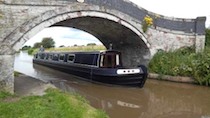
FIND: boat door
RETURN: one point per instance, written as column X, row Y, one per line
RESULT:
column 110, row 60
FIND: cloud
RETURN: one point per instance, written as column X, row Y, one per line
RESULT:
column 78, row 34
column 71, row 42
column 177, row 8
column 64, row 36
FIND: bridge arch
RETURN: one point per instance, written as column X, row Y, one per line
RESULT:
column 109, row 27
column 20, row 20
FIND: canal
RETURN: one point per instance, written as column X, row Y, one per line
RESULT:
column 158, row 99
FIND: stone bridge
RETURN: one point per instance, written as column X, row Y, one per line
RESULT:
column 112, row 21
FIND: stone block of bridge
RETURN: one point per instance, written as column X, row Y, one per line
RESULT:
column 6, row 68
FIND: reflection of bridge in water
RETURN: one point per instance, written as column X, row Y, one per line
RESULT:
column 157, row 99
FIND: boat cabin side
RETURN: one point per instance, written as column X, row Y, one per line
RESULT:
column 106, row 59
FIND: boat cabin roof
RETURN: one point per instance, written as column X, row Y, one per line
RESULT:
column 103, row 59
column 82, row 52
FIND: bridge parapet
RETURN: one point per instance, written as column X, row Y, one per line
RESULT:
column 129, row 8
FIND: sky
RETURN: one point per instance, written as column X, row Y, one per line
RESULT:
column 64, row 36
column 171, row 8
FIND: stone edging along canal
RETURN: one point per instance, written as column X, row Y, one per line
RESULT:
column 172, row 78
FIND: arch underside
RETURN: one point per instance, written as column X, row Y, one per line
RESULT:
column 134, row 50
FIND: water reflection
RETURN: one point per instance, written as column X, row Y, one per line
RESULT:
column 158, row 99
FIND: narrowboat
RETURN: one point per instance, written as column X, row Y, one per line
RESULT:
column 103, row 67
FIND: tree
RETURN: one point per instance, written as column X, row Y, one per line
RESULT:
column 48, row 42
column 26, row 47
column 37, row 45
column 208, row 37
column 91, row 44
column 61, row 46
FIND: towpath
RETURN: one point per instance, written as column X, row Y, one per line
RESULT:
column 25, row 85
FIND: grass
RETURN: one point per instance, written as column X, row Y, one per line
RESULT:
column 54, row 104
column 16, row 74
column 35, row 51
column 183, row 62
column 65, row 49
column 78, row 48
column 5, row 95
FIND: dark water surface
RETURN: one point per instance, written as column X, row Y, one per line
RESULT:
column 158, row 99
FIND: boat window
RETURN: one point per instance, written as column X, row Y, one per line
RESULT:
column 61, row 57
column 50, row 57
column 39, row 56
column 71, row 58
column 88, row 59
column 55, row 58
column 43, row 56
column 117, row 59
column 102, row 61
column 46, row 56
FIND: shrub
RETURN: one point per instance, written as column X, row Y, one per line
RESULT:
column 16, row 74
column 30, row 51
column 35, row 51
column 207, row 43
column 183, row 62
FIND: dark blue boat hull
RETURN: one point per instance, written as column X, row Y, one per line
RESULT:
column 98, row 75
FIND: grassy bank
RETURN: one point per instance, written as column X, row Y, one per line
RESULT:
column 65, row 49
column 54, row 104
column 78, row 48
column 183, row 62
column 32, row 51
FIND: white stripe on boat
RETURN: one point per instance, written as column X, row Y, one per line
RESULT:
column 128, row 71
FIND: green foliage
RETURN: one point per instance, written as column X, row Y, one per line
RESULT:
column 37, row 45
column 82, row 99
column 26, row 47
column 79, row 48
column 91, row 44
column 183, row 62
column 48, row 42
column 16, row 74
column 54, row 104
column 99, row 114
column 61, row 46
column 4, row 95
column 208, row 37
column 30, row 51
column 35, row 51
column 144, row 27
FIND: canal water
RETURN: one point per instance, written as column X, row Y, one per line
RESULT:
column 158, row 99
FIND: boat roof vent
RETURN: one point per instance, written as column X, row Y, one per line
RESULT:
column 110, row 46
